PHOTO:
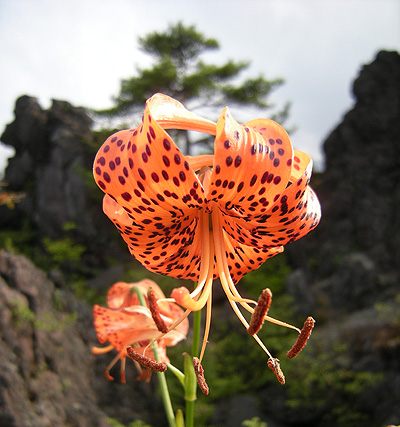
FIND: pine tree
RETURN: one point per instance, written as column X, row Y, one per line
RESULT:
column 179, row 72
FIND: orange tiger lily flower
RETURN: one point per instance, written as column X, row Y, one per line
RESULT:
column 207, row 216
column 125, row 322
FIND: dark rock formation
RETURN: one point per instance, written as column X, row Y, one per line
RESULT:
column 54, row 151
column 48, row 376
column 349, row 272
column 356, row 248
column 50, row 154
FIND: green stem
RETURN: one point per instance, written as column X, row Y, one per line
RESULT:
column 169, row 412
column 189, row 413
column 189, row 371
column 196, row 333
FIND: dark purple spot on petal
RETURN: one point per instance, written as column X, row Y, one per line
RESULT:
column 177, row 159
column 167, row 144
column 166, row 161
column 141, row 173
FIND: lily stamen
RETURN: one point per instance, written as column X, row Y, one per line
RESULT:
column 260, row 310
column 170, row 328
column 302, row 338
column 110, row 365
column 207, row 327
column 275, row 367
column 199, row 371
column 155, row 311
column 146, row 361
column 122, row 371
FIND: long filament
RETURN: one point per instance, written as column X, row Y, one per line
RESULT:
column 207, row 325
column 223, row 274
column 235, row 296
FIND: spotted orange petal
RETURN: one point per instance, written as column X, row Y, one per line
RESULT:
column 242, row 259
column 171, row 114
column 252, row 165
column 294, row 214
column 122, row 294
column 151, row 183
column 122, row 328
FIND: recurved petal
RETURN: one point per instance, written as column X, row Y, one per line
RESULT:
column 155, row 195
column 121, row 328
column 122, row 294
column 297, row 211
column 172, row 250
column 293, row 215
column 252, row 166
column 161, row 351
column 171, row 114
column 119, row 296
column 150, row 331
column 242, row 258
column 145, row 173
column 301, row 163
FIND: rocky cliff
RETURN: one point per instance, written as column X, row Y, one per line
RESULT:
column 48, row 376
column 348, row 273
column 355, row 251
column 49, row 153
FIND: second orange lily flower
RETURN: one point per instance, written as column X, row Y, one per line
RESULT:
column 127, row 323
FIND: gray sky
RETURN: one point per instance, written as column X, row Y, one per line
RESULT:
column 78, row 50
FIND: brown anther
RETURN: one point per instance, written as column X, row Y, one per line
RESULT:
column 122, row 377
column 302, row 338
column 108, row 376
column 260, row 311
column 155, row 311
column 146, row 361
column 273, row 364
column 199, row 371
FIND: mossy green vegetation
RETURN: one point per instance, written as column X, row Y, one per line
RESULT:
column 254, row 422
column 46, row 321
column 322, row 384
column 137, row 423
